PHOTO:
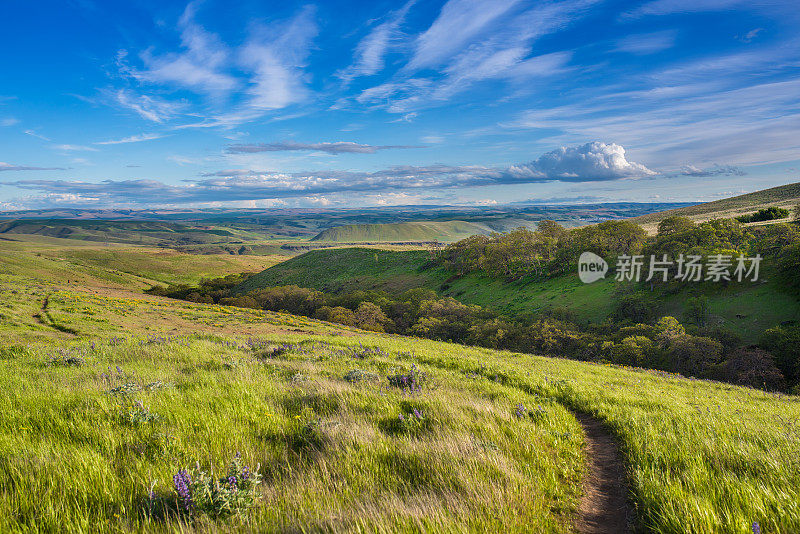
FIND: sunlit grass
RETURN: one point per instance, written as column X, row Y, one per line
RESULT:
column 702, row 456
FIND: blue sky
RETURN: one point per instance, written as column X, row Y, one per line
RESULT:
column 342, row 103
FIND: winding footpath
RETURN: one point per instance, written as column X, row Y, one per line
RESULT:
column 604, row 508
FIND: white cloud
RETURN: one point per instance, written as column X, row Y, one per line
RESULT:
column 749, row 36
column 496, row 45
column 198, row 67
column 239, row 83
column 646, row 43
column 10, row 167
column 715, row 170
column 276, row 55
column 459, row 22
column 74, row 148
column 338, row 147
column 371, row 51
column 131, row 139
column 10, row 121
column 670, row 7
column 32, row 133
column 148, row 107
column 585, row 163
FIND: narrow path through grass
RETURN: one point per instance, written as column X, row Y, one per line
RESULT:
column 604, row 507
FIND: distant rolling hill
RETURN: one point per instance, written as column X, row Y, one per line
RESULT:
column 151, row 233
column 402, row 232
column 786, row 196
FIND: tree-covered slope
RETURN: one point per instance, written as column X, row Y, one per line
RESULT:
column 747, row 309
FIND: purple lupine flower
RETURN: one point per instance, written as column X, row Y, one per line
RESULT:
column 232, row 482
column 245, row 473
column 417, row 414
column 402, row 419
column 756, row 528
column 181, row 480
column 521, row 411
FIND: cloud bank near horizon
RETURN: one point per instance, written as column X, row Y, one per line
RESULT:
column 590, row 162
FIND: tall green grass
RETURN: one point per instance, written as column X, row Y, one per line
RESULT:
column 330, row 452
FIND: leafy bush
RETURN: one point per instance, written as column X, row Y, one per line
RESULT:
column 767, row 214
column 753, row 367
column 636, row 308
column 783, row 342
column 675, row 225
column 696, row 310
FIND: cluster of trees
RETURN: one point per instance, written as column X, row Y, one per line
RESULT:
column 766, row 214
column 551, row 250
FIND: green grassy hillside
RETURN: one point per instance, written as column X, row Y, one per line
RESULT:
column 747, row 309
column 402, row 232
column 89, row 263
column 786, row 196
column 102, row 412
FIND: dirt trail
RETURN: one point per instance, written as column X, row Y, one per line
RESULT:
column 604, row 508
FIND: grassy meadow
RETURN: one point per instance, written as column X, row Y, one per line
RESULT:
column 89, row 263
column 110, row 393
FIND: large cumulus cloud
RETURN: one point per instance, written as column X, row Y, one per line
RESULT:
column 590, row 162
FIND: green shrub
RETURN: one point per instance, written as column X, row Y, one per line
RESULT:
column 767, row 214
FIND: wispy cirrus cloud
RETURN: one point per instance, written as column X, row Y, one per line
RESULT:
column 672, row 7
column 749, row 125
column 472, row 42
column 239, row 83
column 275, row 56
column 132, row 139
column 646, row 43
column 369, row 57
column 459, row 23
column 200, row 65
column 714, row 170
column 148, row 107
column 338, row 147
column 74, row 148
column 33, row 133
column 11, row 167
